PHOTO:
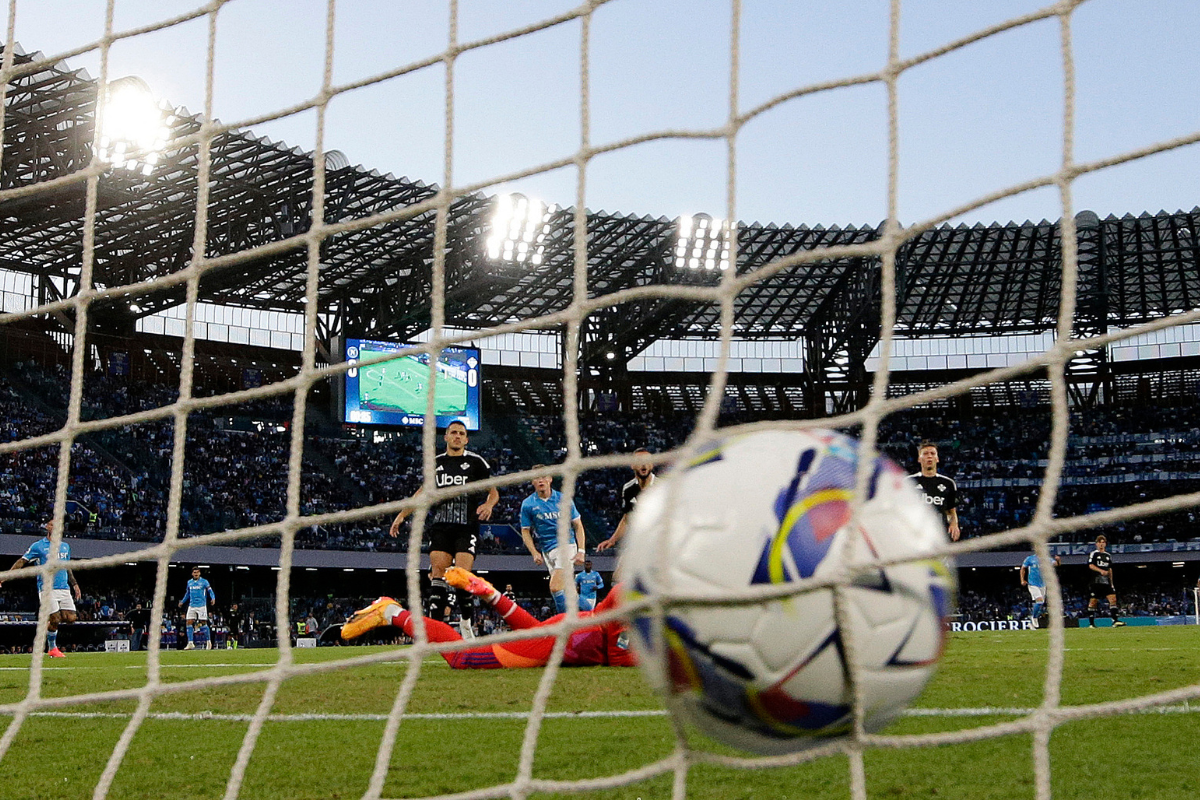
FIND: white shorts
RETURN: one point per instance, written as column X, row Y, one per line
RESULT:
column 61, row 600
column 198, row 612
column 555, row 561
column 1037, row 593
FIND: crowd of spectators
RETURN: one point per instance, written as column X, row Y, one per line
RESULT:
column 236, row 464
column 1115, row 457
column 1153, row 598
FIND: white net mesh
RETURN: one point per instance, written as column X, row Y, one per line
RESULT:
column 1040, row 722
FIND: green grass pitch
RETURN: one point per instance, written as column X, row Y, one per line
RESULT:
column 189, row 749
column 382, row 386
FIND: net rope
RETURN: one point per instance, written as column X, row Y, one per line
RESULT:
column 1040, row 722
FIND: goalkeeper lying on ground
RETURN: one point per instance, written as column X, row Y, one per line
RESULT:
column 593, row 646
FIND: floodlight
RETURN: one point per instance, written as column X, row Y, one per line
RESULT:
column 519, row 227
column 335, row 160
column 702, row 242
column 135, row 127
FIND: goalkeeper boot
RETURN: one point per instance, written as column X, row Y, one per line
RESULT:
column 468, row 581
column 56, row 653
column 370, row 617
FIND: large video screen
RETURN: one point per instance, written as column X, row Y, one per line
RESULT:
column 394, row 392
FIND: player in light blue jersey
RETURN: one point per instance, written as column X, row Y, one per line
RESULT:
column 1031, row 577
column 588, row 583
column 64, row 589
column 539, row 531
column 199, row 594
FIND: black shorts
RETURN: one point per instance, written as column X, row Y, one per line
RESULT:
column 450, row 538
column 1102, row 589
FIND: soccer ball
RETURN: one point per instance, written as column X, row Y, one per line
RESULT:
column 773, row 508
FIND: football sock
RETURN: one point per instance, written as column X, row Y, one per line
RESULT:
column 476, row 657
column 1092, row 616
column 516, row 617
column 1037, row 610
column 439, row 598
column 51, row 640
column 560, row 601
column 435, row 630
column 207, row 633
column 1112, row 612
column 466, row 604
column 502, row 604
column 191, row 634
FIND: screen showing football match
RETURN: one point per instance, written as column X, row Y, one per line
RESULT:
column 394, row 392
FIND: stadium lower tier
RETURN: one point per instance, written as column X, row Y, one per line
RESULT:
column 326, row 587
column 235, row 467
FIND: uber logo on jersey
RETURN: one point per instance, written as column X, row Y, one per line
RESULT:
column 934, row 501
column 450, row 480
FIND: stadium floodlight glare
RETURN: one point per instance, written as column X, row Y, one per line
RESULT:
column 702, row 242
column 134, row 126
column 518, row 229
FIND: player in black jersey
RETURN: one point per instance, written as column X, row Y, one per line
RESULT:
column 940, row 491
column 643, row 477
column 454, row 523
column 1100, row 565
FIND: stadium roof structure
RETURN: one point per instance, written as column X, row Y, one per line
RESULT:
column 375, row 278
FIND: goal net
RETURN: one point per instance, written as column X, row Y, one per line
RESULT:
column 80, row 296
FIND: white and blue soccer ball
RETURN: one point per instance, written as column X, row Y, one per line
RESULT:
column 774, row 508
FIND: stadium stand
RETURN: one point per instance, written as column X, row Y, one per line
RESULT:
column 236, row 465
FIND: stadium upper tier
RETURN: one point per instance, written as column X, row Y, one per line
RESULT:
column 375, row 277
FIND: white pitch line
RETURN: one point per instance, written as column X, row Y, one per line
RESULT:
column 494, row 715
column 429, row 661
column 482, row 715
column 1185, row 708
column 201, row 666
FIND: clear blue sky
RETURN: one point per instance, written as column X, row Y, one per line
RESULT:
column 971, row 122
